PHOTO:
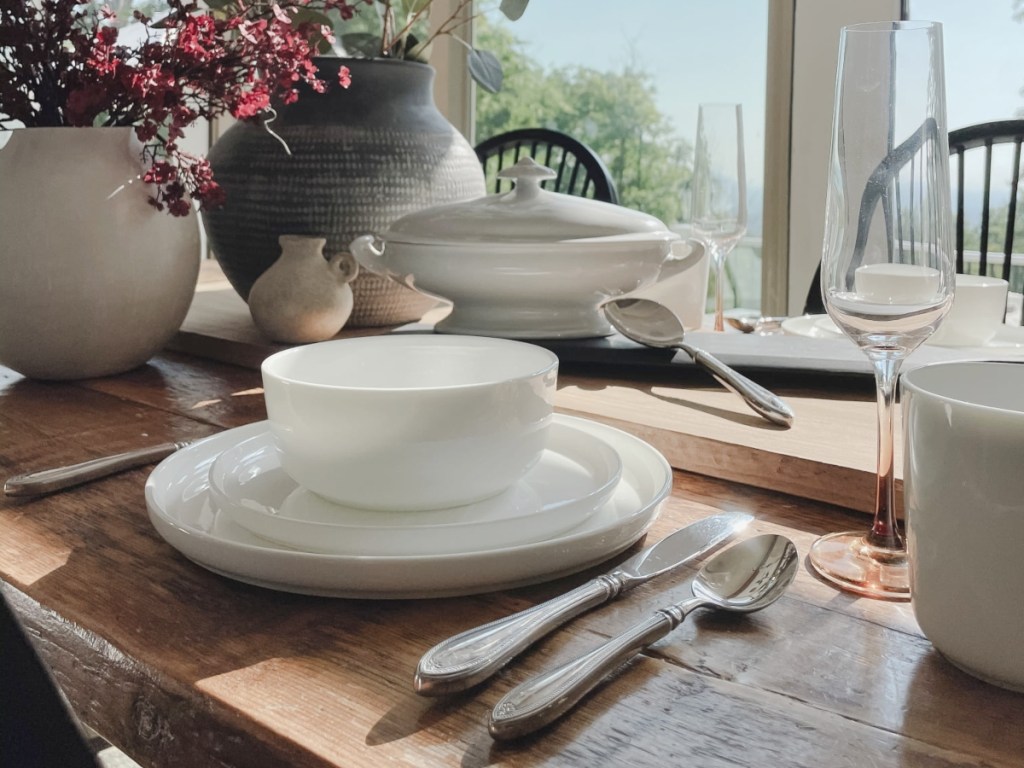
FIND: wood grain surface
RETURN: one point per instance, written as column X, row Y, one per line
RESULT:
column 180, row 667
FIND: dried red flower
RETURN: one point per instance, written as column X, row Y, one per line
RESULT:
column 61, row 64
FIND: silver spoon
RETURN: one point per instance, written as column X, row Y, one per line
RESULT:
column 744, row 578
column 655, row 325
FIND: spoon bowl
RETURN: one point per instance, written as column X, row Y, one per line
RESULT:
column 655, row 325
column 744, row 578
column 748, row 576
column 762, row 326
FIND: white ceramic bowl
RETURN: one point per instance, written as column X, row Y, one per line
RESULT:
column 410, row 422
column 524, row 264
column 963, row 490
column 979, row 307
column 897, row 283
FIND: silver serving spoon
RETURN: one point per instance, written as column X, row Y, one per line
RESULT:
column 744, row 578
column 655, row 325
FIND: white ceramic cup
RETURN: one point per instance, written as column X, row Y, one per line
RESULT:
column 896, row 283
column 964, row 502
column 410, row 422
column 979, row 307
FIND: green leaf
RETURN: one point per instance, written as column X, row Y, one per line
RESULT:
column 513, row 9
column 308, row 15
column 485, row 68
column 361, row 43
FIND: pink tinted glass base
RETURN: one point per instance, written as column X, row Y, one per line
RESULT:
column 848, row 561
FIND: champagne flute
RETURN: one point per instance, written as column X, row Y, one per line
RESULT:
column 887, row 273
column 719, row 187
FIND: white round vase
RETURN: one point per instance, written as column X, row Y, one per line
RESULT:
column 93, row 279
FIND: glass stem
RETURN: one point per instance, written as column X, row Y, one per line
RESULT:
column 719, row 260
column 885, row 530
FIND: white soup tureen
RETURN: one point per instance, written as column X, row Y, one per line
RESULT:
column 527, row 264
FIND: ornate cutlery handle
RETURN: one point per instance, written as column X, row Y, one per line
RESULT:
column 546, row 697
column 58, row 478
column 470, row 657
column 763, row 401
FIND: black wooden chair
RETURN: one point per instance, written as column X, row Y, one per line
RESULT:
column 579, row 170
column 962, row 141
column 985, row 136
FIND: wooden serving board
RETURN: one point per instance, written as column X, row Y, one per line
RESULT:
column 828, row 455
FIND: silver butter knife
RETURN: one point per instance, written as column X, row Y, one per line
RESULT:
column 59, row 478
column 471, row 657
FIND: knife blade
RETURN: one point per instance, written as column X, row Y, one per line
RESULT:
column 470, row 657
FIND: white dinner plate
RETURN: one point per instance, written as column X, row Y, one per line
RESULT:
column 181, row 510
column 1009, row 339
column 576, row 474
column 812, row 326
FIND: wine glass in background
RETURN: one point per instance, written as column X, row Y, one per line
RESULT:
column 719, row 187
column 887, row 274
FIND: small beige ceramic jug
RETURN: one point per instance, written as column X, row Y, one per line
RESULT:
column 303, row 297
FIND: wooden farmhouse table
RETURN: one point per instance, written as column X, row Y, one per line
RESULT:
column 178, row 666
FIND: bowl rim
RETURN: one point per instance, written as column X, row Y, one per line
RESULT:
column 548, row 364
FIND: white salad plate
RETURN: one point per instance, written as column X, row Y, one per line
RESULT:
column 1008, row 339
column 575, row 475
column 183, row 513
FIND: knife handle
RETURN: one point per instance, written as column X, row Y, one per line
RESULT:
column 546, row 697
column 59, row 478
column 470, row 657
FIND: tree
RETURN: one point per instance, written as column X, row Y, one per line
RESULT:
column 614, row 112
column 996, row 241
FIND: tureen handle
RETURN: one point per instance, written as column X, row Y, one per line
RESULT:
column 368, row 251
column 527, row 174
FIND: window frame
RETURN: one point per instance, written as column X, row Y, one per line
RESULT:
column 803, row 45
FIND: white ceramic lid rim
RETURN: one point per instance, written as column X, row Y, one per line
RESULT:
column 405, row 238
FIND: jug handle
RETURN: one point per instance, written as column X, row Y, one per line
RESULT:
column 346, row 264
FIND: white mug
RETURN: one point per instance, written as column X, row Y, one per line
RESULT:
column 963, row 483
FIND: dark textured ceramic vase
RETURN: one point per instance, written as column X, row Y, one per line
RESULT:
column 360, row 158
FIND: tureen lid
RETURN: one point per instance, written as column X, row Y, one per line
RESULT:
column 527, row 214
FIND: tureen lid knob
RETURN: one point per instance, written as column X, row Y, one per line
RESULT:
column 528, row 174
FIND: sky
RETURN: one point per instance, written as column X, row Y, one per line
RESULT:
column 680, row 43
column 671, row 40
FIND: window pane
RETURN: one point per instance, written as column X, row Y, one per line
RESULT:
column 984, row 52
column 626, row 79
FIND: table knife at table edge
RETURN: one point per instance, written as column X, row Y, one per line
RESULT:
column 58, row 478
column 471, row 657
